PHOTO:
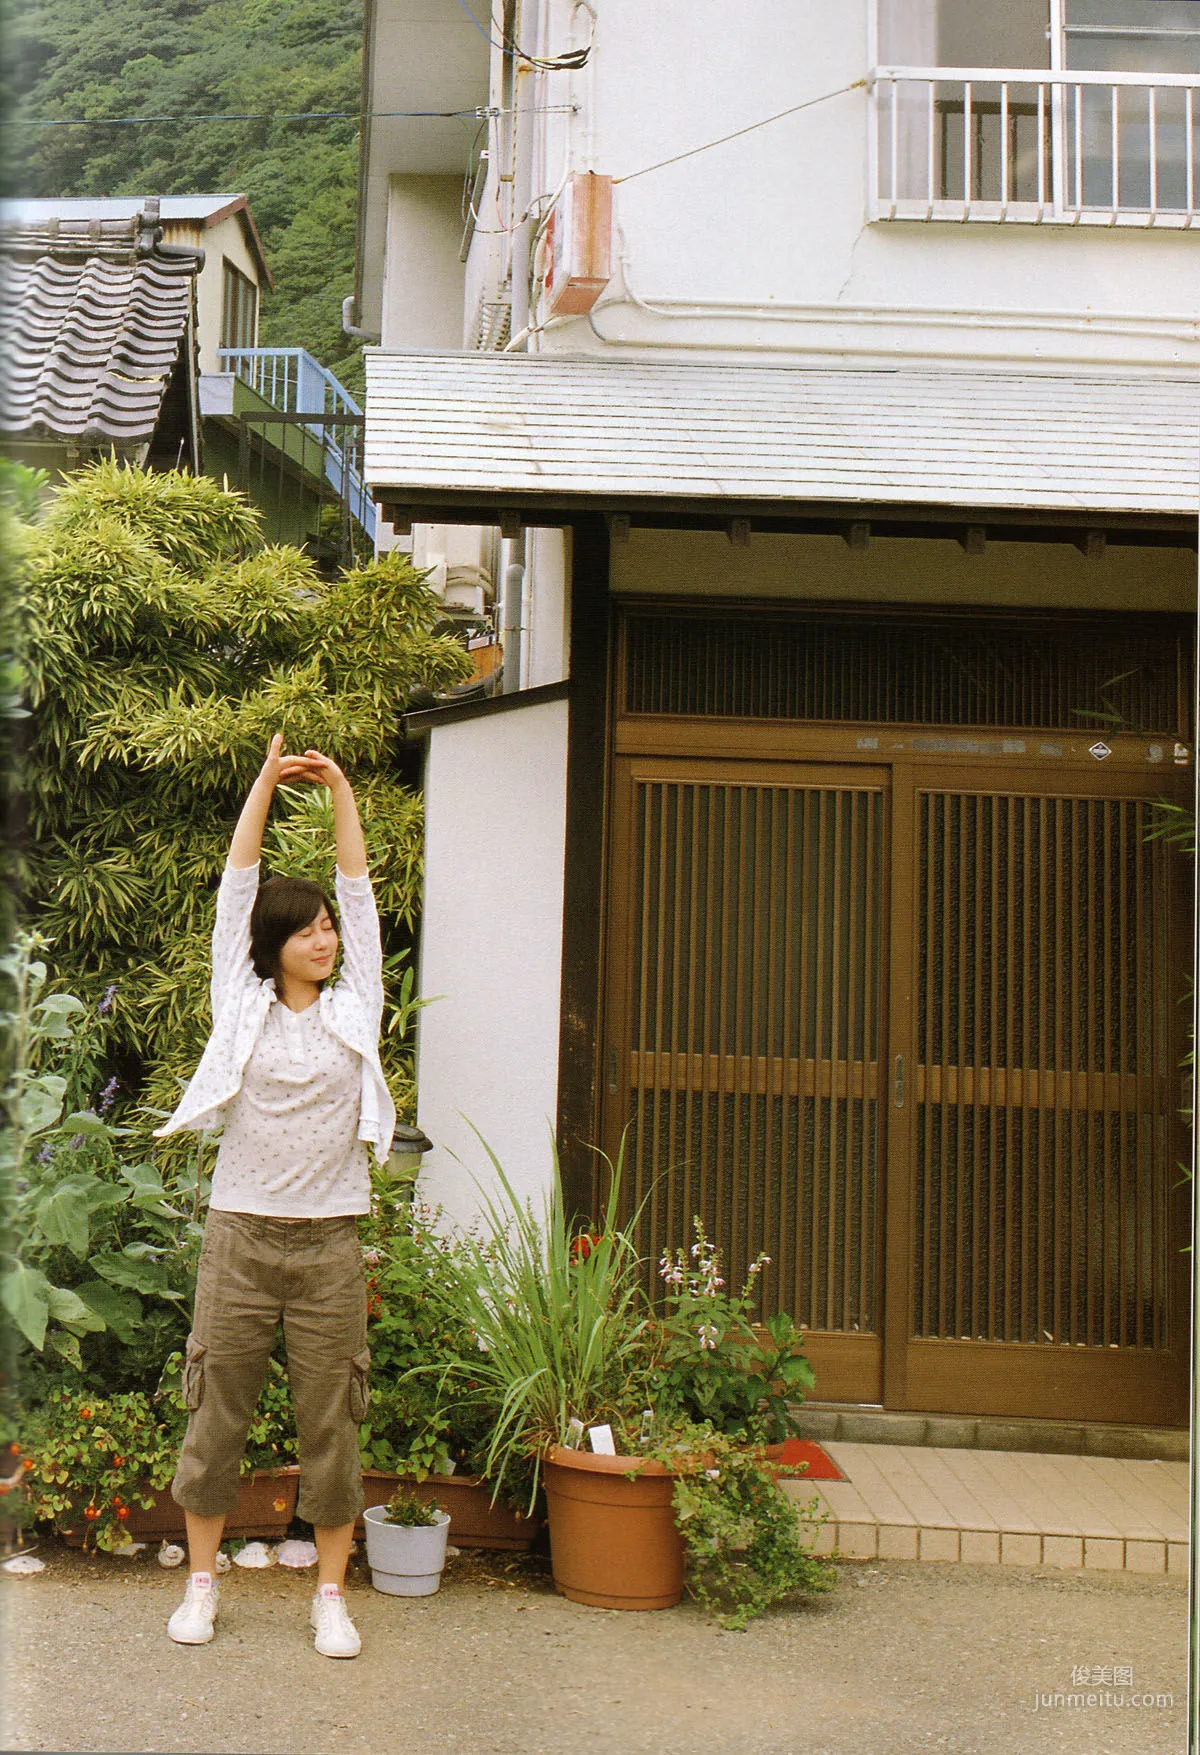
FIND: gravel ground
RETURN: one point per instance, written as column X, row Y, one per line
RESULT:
column 899, row 1658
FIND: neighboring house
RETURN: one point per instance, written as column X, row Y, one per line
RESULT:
column 839, row 495
column 133, row 325
column 97, row 340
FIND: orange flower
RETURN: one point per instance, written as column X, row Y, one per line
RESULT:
column 5, row 1486
column 28, row 1463
column 123, row 1513
column 117, row 1461
column 85, row 1413
column 92, row 1513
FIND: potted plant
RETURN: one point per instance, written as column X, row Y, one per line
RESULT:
column 567, row 1340
column 98, row 1468
column 419, row 1429
column 406, row 1545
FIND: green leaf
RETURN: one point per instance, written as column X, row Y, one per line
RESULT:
column 25, row 1294
column 61, row 1003
column 62, row 1218
column 69, row 1309
column 134, row 1271
column 40, row 1103
column 85, row 1121
column 122, row 1311
column 68, row 1346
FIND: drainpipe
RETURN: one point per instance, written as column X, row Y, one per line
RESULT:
column 512, row 625
column 349, row 312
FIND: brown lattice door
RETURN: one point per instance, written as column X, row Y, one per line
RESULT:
column 1035, row 1228
column 819, row 971
column 745, row 1016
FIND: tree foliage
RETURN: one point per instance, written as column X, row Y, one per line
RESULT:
column 68, row 59
column 161, row 648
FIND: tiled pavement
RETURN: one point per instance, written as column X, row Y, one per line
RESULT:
column 917, row 1502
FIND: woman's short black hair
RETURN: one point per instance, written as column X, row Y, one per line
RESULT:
column 283, row 905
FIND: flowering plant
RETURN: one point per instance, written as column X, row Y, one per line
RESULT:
column 88, row 1459
column 713, row 1364
column 747, row 1544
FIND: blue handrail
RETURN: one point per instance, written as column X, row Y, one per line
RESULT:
column 291, row 380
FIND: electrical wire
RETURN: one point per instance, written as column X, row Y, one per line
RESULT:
column 570, row 62
column 480, row 111
column 737, row 134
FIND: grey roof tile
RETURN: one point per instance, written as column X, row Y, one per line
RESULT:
column 92, row 312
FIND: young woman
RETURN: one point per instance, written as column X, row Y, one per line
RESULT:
column 291, row 1073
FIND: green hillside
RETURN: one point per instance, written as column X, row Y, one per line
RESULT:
column 92, row 58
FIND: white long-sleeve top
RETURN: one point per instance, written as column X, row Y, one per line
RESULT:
column 351, row 1009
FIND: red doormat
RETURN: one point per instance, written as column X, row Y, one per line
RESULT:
column 821, row 1466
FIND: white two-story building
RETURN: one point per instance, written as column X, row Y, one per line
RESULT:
column 810, row 394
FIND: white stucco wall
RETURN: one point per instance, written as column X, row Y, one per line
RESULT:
column 495, row 801
column 423, row 277
column 767, row 238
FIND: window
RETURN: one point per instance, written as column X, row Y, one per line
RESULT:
column 239, row 309
column 1070, row 110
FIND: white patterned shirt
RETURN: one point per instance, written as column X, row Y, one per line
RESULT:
column 290, row 1146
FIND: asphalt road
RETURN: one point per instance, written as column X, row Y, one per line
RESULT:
column 899, row 1659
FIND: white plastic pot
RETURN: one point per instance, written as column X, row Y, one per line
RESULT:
column 405, row 1562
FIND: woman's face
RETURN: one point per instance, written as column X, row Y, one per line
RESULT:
column 308, row 954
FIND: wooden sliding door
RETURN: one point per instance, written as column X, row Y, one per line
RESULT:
column 914, row 1030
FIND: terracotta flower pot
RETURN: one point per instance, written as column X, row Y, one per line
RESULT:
column 474, row 1521
column 614, row 1542
column 266, row 1505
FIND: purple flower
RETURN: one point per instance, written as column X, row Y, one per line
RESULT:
column 45, row 1155
column 106, row 1003
column 77, row 1141
column 108, row 1095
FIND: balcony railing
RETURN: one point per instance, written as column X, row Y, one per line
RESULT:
column 310, row 401
column 997, row 144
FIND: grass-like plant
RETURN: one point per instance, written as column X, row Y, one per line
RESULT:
column 560, row 1320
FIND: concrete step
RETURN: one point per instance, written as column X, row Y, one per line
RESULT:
column 870, row 1425
column 1020, row 1508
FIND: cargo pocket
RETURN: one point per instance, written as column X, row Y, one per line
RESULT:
column 360, row 1393
column 193, row 1374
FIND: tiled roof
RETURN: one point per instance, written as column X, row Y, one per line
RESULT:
column 92, row 312
column 559, row 431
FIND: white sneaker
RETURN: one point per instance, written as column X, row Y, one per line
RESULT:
column 336, row 1633
column 192, row 1622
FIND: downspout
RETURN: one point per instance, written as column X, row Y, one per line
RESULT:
column 512, row 625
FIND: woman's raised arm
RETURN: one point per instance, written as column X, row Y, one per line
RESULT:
column 246, row 846
column 351, row 848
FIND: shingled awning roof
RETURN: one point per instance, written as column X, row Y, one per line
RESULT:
column 92, row 313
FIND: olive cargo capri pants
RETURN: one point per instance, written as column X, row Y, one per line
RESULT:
column 253, row 1272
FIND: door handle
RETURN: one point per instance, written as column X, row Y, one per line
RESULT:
column 898, row 1082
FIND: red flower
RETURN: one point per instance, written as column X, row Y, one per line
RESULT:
column 117, row 1461
column 123, row 1513
column 85, row 1413
column 92, row 1513
column 583, row 1245
column 5, row 1486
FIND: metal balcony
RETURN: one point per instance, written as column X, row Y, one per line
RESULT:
column 308, row 404
column 1004, row 145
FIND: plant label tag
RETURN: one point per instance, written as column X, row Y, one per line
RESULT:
column 602, row 1440
column 574, row 1436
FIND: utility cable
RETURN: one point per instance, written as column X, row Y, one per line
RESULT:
column 739, row 132
column 570, row 62
column 480, row 111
